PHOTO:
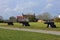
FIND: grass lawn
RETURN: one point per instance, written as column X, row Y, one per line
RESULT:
column 22, row 35
column 34, row 25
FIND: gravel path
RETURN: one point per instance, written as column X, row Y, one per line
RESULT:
column 33, row 30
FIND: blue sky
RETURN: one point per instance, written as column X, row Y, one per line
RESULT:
column 17, row 7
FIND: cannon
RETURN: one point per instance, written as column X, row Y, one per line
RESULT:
column 24, row 23
column 10, row 23
column 50, row 24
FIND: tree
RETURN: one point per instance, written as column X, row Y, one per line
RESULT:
column 13, row 19
column 1, row 19
column 32, row 18
column 44, row 16
column 57, row 19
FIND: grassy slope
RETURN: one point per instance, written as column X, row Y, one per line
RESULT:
column 34, row 25
column 22, row 35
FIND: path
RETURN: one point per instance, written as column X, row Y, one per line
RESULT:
column 33, row 30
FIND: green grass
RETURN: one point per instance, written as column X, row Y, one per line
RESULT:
column 22, row 35
column 34, row 25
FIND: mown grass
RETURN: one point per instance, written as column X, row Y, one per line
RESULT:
column 33, row 25
column 22, row 35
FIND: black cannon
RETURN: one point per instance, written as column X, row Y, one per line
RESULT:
column 50, row 24
column 24, row 23
column 10, row 23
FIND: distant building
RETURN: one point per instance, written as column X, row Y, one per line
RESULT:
column 30, row 17
column 20, row 18
column 25, row 17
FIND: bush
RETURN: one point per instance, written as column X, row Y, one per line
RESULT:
column 57, row 19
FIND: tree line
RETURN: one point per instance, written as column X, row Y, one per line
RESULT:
column 44, row 16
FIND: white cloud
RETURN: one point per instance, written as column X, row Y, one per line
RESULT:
column 50, row 1
column 8, row 10
column 47, row 7
column 14, row 6
column 20, row 7
column 25, row 6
